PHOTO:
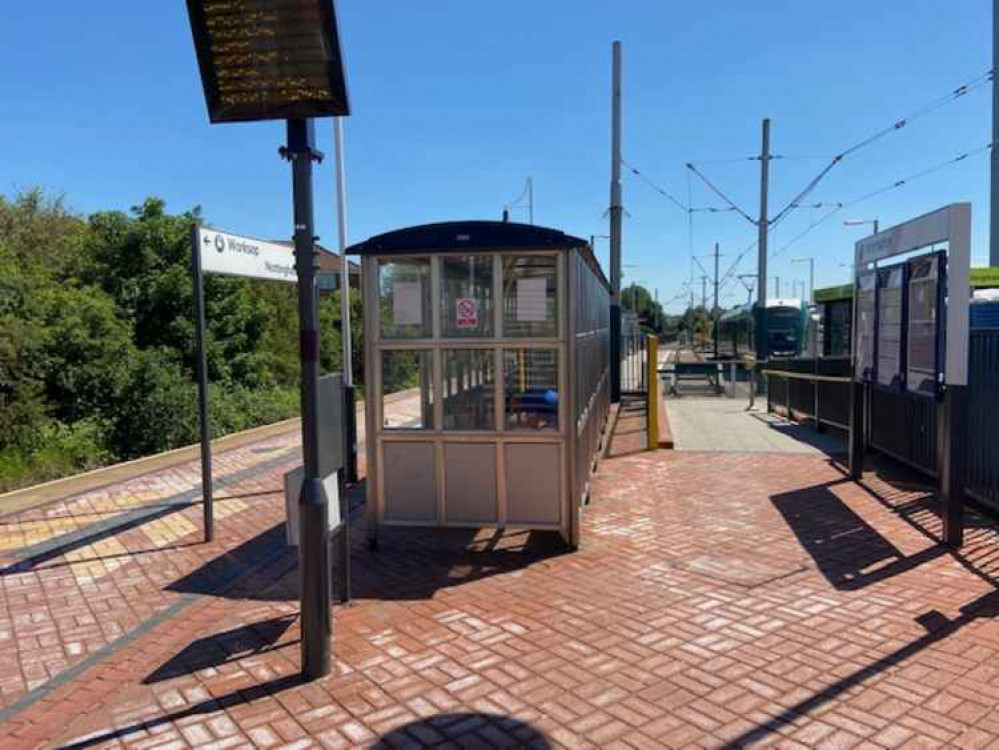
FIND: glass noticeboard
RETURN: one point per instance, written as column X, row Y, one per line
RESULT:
column 864, row 327
column 891, row 302
column 924, row 333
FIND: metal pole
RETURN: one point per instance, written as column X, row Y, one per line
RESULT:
column 208, row 501
column 615, row 225
column 762, row 226
column 530, row 200
column 349, row 471
column 876, row 221
column 994, row 161
column 714, row 310
column 313, row 504
column 341, row 224
column 811, row 280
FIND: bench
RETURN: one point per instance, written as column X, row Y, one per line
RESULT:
column 711, row 372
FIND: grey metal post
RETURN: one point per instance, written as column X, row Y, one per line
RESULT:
column 349, row 470
column 762, row 226
column 615, row 225
column 952, row 474
column 994, row 157
column 207, row 498
column 530, row 200
column 341, row 223
column 313, row 504
column 714, row 310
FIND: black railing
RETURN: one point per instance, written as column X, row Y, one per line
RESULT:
column 634, row 365
column 812, row 389
column 983, row 416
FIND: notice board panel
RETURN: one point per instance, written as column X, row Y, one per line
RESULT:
column 890, row 332
column 864, row 326
column 925, row 333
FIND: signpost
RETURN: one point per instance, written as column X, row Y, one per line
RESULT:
column 267, row 61
column 899, row 324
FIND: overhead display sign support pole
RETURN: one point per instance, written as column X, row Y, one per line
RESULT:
column 950, row 225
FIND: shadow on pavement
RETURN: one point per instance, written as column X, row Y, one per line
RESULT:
column 469, row 731
column 849, row 552
column 409, row 562
column 938, row 628
column 210, row 706
column 221, row 648
column 827, row 442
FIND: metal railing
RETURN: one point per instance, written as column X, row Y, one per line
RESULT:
column 983, row 417
column 817, row 390
column 634, row 363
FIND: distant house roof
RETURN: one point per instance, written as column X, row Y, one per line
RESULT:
column 328, row 260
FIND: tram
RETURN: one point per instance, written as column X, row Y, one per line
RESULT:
column 787, row 329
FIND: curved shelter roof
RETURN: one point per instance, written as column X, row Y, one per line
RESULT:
column 474, row 236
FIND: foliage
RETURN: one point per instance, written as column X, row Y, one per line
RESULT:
column 97, row 360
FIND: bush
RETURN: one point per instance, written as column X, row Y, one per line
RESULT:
column 62, row 450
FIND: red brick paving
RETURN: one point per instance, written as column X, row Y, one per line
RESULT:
column 718, row 600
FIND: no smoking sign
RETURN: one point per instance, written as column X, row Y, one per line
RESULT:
column 467, row 312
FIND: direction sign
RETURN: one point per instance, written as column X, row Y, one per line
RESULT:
column 234, row 255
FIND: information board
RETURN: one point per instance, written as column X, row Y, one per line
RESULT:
column 866, row 313
column 235, row 255
column 891, row 308
column 924, row 329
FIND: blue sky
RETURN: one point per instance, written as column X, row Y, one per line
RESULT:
column 456, row 103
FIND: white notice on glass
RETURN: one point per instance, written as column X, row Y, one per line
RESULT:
column 407, row 303
column 532, row 299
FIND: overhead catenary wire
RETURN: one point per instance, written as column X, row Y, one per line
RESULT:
column 720, row 194
column 672, row 198
column 978, row 81
column 837, row 207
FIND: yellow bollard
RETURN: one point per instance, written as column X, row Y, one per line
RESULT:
column 652, row 396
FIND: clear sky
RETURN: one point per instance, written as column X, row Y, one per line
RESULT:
column 457, row 102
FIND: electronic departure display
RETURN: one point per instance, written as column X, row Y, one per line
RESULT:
column 266, row 60
column 925, row 330
column 866, row 314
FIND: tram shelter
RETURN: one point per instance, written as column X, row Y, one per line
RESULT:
column 496, row 335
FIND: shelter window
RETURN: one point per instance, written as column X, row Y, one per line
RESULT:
column 530, row 305
column 469, row 392
column 531, row 383
column 404, row 298
column 404, row 370
column 466, row 296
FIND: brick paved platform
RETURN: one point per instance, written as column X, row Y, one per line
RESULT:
column 718, row 600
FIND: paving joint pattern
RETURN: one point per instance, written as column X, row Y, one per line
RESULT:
column 718, row 600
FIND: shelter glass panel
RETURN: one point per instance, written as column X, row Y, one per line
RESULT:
column 469, row 393
column 530, row 296
column 408, row 370
column 466, row 296
column 531, row 384
column 404, row 298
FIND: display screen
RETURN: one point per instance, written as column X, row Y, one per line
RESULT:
column 891, row 298
column 924, row 334
column 864, row 326
column 262, row 60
